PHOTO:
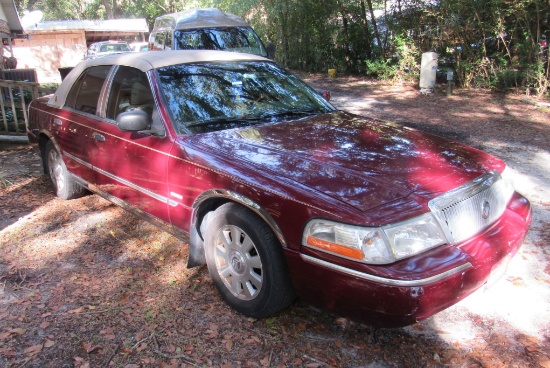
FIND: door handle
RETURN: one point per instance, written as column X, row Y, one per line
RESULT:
column 98, row 137
column 57, row 122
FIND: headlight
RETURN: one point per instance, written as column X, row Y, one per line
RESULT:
column 377, row 245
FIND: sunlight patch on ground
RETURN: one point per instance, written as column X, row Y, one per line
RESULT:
column 11, row 187
column 355, row 106
column 47, row 239
column 508, row 308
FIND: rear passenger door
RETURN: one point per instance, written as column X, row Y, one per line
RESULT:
column 71, row 128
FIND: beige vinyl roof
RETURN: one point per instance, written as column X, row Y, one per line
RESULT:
column 146, row 61
column 200, row 18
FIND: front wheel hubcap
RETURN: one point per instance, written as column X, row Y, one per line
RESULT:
column 238, row 263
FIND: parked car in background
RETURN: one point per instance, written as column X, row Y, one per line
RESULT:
column 103, row 48
column 278, row 192
column 139, row 46
column 206, row 29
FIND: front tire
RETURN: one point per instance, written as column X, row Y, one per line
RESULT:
column 246, row 262
column 62, row 181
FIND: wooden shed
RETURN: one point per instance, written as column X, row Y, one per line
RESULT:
column 52, row 45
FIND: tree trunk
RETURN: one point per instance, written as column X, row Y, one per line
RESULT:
column 284, row 30
column 108, row 9
column 366, row 29
column 375, row 27
column 347, row 57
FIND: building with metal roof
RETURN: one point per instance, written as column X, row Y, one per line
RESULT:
column 53, row 45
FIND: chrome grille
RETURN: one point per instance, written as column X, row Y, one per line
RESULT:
column 468, row 209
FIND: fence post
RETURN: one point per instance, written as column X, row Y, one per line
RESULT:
column 4, row 118
column 14, row 111
column 23, row 105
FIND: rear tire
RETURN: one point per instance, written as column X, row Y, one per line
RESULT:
column 246, row 262
column 63, row 183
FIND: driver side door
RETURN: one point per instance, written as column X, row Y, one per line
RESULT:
column 132, row 165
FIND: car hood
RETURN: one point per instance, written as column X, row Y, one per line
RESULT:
column 360, row 161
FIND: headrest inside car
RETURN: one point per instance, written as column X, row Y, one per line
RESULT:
column 140, row 94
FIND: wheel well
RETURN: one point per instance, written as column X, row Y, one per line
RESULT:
column 209, row 202
column 43, row 140
column 205, row 207
column 196, row 238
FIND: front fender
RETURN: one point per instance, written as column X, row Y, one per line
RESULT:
column 210, row 200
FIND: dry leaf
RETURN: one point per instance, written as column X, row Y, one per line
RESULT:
column 544, row 363
column 49, row 343
column 313, row 365
column 108, row 331
column 77, row 310
column 35, row 349
column 94, row 348
column 17, row 331
column 171, row 348
column 45, row 324
column 125, row 351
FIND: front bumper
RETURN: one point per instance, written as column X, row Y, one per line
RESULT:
column 412, row 289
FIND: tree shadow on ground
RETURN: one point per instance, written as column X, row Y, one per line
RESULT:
column 21, row 199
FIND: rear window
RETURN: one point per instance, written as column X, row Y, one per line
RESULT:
column 114, row 47
column 84, row 94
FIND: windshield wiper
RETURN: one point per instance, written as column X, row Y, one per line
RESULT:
column 255, row 119
column 297, row 112
column 224, row 121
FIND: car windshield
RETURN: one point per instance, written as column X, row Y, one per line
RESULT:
column 223, row 95
column 237, row 39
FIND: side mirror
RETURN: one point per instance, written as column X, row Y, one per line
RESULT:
column 271, row 49
column 133, row 121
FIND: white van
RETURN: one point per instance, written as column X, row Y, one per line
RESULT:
column 206, row 29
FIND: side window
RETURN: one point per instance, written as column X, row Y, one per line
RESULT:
column 130, row 91
column 84, row 94
column 168, row 41
column 158, row 43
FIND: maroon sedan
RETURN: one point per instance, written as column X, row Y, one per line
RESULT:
column 279, row 193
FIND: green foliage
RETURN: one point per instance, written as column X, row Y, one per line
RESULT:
column 509, row 79
column 4, row 183
column 402, row 66
column 493, row 43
